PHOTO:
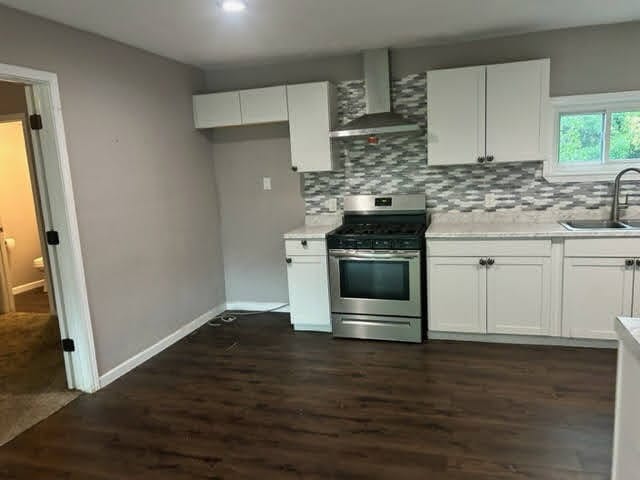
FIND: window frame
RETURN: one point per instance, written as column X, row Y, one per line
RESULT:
column 607, row 103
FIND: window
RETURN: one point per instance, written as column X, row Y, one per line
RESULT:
column 595, row 136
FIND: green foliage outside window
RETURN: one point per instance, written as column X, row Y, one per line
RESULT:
column 582, row 137
column 625, row 136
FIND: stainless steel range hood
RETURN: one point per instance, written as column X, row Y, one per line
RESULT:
column 379, row 119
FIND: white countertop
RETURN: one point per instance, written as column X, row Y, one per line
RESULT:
column 481, row 230
column 310, row 232
column 628, row 330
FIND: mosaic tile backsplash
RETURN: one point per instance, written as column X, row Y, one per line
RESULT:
column 399, row 165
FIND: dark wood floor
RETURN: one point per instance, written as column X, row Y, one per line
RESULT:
column 33, row 301
column 254, row 400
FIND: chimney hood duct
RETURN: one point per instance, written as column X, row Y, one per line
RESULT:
column 379, row 119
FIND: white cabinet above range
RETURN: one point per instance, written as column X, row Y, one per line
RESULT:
column 487, row 114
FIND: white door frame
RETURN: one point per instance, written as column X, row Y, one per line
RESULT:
column 57, row 201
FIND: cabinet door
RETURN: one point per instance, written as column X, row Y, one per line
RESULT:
column 456, row 115
column 263, row 105
column 596, row 291
column 516, row 96
column 310, row 121
column 635, row 311
column 456, row 288
column 217, row 110
column 518, row 295
column 308, row 281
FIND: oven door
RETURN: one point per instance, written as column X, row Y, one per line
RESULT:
column 372, row 282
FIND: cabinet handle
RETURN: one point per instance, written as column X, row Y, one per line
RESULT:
column 490, row 261
column 483, row 262
column 629, row 262
column 481, row 159
column 288, row 260
column 294, row 168
column 490, row 158
column 638, row 263
column 303, row 242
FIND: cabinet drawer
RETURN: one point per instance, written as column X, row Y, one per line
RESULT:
column 485, row 248
column 602, row 247
column 305, row 247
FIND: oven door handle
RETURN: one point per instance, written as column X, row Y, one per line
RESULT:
column 359, row 255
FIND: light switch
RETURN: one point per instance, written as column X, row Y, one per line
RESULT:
column 266, row 183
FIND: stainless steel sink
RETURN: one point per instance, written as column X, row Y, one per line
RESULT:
column 595, row 225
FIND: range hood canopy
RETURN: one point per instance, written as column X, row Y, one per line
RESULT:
column 379, row 119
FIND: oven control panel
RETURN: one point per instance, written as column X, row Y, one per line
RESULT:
column 375, row 244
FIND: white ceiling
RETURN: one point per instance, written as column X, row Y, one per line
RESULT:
column 199, row 33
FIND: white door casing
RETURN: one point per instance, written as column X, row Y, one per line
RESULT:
column 58, row 210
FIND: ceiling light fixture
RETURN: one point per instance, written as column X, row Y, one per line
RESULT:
column 233, row 6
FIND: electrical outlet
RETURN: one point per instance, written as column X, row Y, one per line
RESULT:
column 331, row 204
column 490, row 200
column 266, row 183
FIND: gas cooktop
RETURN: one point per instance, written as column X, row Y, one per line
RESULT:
column 380, row 229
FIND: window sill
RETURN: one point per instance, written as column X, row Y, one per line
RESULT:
column 555, row 174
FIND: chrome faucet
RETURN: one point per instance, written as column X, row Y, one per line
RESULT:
column 615, row 208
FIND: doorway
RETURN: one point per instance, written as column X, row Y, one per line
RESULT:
column 33, row 380
column 61, row 270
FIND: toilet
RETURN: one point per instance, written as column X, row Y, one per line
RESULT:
column 38, row 264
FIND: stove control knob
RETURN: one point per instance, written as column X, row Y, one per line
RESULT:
column 304, row 243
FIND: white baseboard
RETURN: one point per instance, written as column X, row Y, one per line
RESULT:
column 153, row 350
column 258, row 306
column 27, row 287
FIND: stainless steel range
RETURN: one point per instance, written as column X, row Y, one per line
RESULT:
column 377, row 268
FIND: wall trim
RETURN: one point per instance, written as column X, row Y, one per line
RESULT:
column 258, row 306
column 138, row 359
column 523, row 339
column 27, row 287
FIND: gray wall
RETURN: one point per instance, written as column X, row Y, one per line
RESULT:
column 253, row 220
column 143, row 179
column 583, row 60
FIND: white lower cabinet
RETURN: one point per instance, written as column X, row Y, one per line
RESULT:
column 456, row 288
column 509, row 293
column 308, row 281
column 518, row 296
column 596, row 291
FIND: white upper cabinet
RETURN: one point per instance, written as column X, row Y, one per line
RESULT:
column 311, row 118
column 516, row 98
column 487, row 114
column 217, row 110
column 456, row 115
column 264, row 105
